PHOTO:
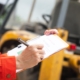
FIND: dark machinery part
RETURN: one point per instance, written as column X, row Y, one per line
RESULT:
column 2, row 27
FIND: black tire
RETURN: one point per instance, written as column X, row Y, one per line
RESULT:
column 8, row 45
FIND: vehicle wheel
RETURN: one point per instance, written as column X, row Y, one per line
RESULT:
column 8, row 45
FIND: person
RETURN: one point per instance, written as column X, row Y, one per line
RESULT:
column 29, row 58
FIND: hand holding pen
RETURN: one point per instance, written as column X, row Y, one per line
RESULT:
column 31, row 56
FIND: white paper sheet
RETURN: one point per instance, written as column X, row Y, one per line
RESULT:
column 52, row 44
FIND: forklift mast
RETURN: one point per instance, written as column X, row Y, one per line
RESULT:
column 2, row 26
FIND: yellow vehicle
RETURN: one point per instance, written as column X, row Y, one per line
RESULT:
column 9, row 31
column 64, row 65
column 8, row 36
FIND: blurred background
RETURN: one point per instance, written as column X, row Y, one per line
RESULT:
column 27, row 11
column 27, row 19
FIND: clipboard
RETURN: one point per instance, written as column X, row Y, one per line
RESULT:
column 52, row 44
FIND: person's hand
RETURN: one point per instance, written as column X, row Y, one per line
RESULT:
column 51, row 31
column 30, row 57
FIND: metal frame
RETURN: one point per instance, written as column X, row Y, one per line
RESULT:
column 62, row 14
column 2, row 27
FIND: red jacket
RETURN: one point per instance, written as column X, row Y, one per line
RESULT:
column 7, row 67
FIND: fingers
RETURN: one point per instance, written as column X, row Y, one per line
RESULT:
column 40, row 57
column 37, row 51
column 34, row 49
column 31, row 56
column 41, row 52
column 37, row 46
column 51, row 31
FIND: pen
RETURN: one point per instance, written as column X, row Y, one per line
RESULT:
column 23, row 42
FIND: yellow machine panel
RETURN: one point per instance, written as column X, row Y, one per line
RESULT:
column 14, row 35
column 56, row 66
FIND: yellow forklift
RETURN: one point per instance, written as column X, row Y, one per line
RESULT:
column 10, row 35
column 65, row 64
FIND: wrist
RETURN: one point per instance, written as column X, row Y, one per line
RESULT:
column 18, row 63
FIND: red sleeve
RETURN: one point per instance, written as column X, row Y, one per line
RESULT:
column 7, row 67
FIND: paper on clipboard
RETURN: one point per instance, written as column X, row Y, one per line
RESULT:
column 52, row 44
